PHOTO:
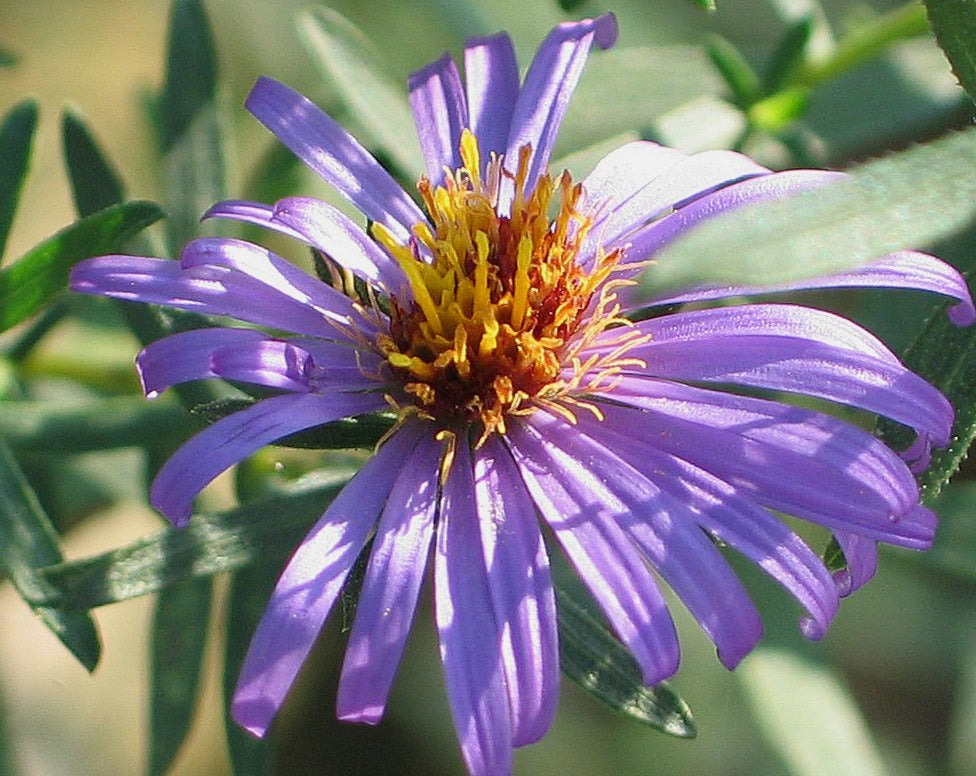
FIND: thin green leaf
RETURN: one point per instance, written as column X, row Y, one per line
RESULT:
column 363, row 431
column 179, row 635
column 945, row 355
column 906, row 200
column 734, row 69
column 210, row 544
column 807, row 715
column 94, row 184
column 8, row 58
column 789, row 54
column 33, row 280
column 376, row 101
column 705, row 5
column 190, row 132
column 595, row 660
column 57, row 426
column 954, row 25
column 775, row 112
column 28, row 541
column 250, row 591
column 16, row 139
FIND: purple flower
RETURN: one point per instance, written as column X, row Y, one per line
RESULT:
column 497, row 322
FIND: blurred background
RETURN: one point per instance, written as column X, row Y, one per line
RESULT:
column 892, row 687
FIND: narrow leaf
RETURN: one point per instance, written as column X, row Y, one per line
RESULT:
column 190, row 131
column 28, row 541
column 16, row 138
column 70, row 427
column 348, row 60
column 954, row 25
column 906, row 200
column 179, row 635
column 596, row 661
column 945, row 355
column 734, row 69
column 789, row 54
column 250, row 591
column 807, row 715
column 33, row 280
column 211, row 543
column 94, row 184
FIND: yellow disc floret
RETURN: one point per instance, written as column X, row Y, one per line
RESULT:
column 498, row 304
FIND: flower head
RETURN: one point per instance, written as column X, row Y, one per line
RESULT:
column 496, row 314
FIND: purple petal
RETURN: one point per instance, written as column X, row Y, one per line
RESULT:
column 186, row 356
column 584, row 517
column 787, row 458
column 861, row 555
column 469, row 634
column 325, row 228
column 521, row 590
column 731, row 516
column 310, row 584
column 905, row 269
column 440, row 113
column 233, row 438
column 334, row 154
column 796, row 349
column 389, row 593
column 666, row 530
column 647, row 241
column 664, row 189
column 492, row 78
column 549, row 84
column 272, row 363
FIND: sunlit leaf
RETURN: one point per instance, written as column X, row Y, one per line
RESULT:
column 30, row 282
column 906, row 200
column 596, row 661
column 807, row 715
column 261, row 530
column 190, row 131
column 376, row 101
column 28, row 541
column 954, row 25
column 178, row 637
column 16, row 138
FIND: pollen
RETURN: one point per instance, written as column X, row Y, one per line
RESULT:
column 496, row 306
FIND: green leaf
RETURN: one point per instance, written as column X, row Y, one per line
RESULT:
column 362, row 431
column 250, row 591
column 94, row 184
column 8, row 58
column 28, row 541
column 179, row 635
column 773, row 113
column 347, row 58
column 954, row 25
column 596, row 661
column 789, row 54
column 706, row 5
column 906, row 200
column 190, row 131
column 71, row 427
column 16, row 137
column 33, row 280
column 734, row 69
column 807, row 715
column 945, row 355
column 210, row 544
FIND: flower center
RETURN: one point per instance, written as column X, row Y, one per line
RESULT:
column 496, row 300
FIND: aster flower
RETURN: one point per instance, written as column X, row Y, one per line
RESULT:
column 497, row 317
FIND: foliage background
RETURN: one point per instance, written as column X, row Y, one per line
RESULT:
column 893, row 687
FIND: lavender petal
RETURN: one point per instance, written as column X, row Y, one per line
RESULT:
column 492, row 80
